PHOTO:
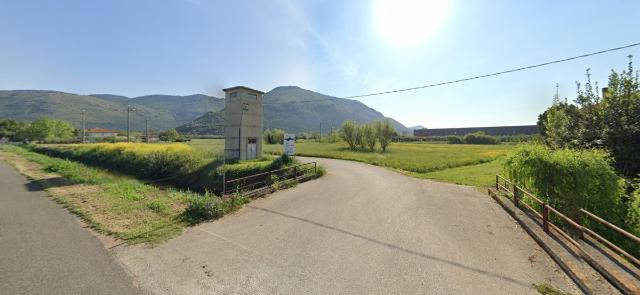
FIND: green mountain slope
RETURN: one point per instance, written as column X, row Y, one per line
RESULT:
column 27, row 105
column 211, row 123
column 298, row 110
column 294, row 110
column 106, row 110
column 289, row 108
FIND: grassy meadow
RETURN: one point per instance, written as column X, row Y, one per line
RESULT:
column 474, row 165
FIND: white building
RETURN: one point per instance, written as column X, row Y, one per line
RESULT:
column 95, row 134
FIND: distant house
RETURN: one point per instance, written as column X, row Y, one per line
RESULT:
column 96, row 134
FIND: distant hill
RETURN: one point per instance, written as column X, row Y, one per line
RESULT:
column 294, row 110
column 211, row 123
column 106, row 110
column 290, row 108
column 417, row 127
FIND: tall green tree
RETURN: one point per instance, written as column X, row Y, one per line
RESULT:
column 621, row 120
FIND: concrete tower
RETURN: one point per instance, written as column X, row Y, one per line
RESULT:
column 243, row 123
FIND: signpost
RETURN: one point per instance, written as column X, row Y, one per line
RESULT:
column 289, row 144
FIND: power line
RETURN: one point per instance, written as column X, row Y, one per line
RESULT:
column 468, row 78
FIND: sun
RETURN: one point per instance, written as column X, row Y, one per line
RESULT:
column 407, row 23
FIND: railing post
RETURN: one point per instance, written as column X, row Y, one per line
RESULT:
column 579, row 222
column 515, row 195
column 545, row 218
column 497, row 183
column 267, row 181
column 295, row 171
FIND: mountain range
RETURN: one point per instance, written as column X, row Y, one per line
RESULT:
column 290, row 108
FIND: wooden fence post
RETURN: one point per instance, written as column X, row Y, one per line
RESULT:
column 545, row 218
column 515, row 195
column 579, row 222
column 497, row 183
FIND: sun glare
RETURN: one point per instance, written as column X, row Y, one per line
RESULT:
column 406, row 23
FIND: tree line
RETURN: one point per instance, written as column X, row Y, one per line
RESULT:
column 43, row 129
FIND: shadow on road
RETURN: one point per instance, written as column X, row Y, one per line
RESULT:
column 395, row 247
column 43, row 184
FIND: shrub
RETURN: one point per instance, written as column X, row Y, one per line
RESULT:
column 349, row 133
column 479, row 138
column 385, row 132
column 169, row 135
column 568, row 179
column 273, row 136
column 209, row 206
column 452, row 139
column 369, row 136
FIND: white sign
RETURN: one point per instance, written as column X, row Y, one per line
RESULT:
column 289, row 144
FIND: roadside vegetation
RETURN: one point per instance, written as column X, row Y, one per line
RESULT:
column 108, row 186
column 177, row 164
column 110, row 203
column 590, row 155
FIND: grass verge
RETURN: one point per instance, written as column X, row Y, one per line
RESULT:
column 111, row 204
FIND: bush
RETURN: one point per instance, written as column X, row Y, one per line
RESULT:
column 209, row 206
column 349, row 133
column 273, row 136
column 385, row 131
column 568, row 179
column 170, row 135
column 479, row 138
column 452, row 139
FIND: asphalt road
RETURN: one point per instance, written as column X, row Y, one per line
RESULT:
column 360, row 229
column 44, row 250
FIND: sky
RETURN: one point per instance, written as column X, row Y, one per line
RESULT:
column 338, row 48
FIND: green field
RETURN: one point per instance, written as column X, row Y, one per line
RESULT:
column 474, row 165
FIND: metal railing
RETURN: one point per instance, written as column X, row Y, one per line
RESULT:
column 502, row 185
column 266, row 179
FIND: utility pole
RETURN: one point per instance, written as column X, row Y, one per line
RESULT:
column 320, row 137
column 129, row 110
column 128, row 121
column 146, row 130
column 83, row 125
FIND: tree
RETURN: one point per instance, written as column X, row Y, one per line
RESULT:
column 360, row 137
column 385, row 132
column 369, row 136
column 348, row 133
column 12, row 129
column 557, row 127
column 621, row 120
column 45, row 129
column 169, row 135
